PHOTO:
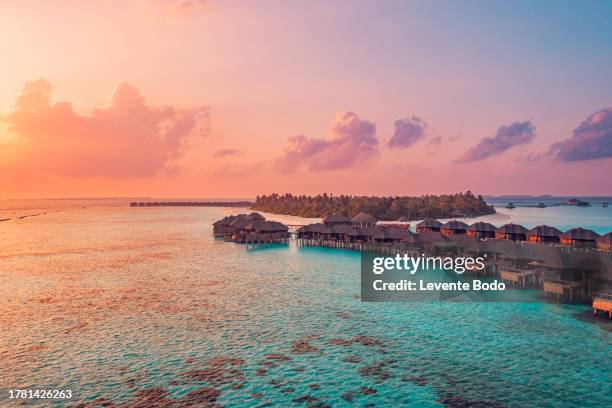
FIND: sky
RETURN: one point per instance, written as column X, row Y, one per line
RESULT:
column 223, row 99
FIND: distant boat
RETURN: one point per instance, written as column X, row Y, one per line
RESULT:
column 511, row 205
column 541, row 205
column 577, row 202
column 605, row 204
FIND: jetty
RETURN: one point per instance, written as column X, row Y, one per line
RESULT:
column 570, row 267
column 191, row 204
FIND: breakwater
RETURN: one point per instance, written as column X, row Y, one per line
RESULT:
column 191, row 204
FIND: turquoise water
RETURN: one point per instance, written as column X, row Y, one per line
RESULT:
column 143, row 307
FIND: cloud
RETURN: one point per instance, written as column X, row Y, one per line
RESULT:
column 592, row 139
column 227, row 152
column 506, row 137
column 407, row 132
column 128, row 138
column 351, row 140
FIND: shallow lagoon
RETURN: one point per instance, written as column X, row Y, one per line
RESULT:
column 144, row 306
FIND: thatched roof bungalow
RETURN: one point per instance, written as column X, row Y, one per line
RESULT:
column 363, row 220
column 579, row 237
column 544, row 233
column 222, row 226
column 363, row 234
column 429, row 225
column 337, row 219
column 454, row 228
column 482, row 230
column 512, row 232
column 604, row 243
column 314, row 231
column 392, row 234
column 340, row 232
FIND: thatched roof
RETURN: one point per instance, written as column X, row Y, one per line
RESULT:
column 364, row 231
column 544, row 231
column 256, row 216
column 225, row 221
column 315, row 228
column 605, row 238
column 337, row 219
column 364, row 218
column 429, row 223
column 342, row 229
column 580, row 234
column 512, row 229
column 482, row 227
column 455, row 225
column 403, row 234
column 266, row 226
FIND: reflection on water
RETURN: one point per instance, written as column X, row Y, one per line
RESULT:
column 143, row 307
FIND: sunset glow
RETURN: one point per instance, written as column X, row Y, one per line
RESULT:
column 231, row 99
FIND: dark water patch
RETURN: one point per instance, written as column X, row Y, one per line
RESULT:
column 353, row 358
column 257, row 395
column 368, row 341
column 219, row 371
column 348, row 396
column 343, row 315
column 455, row 401
column 202, row 397
column 302, row 346
column 99, row 402
column 277, row 357
column 305, row 399
column 260, row 372
column 378, row 370
column 420, row 381
column 314, row 386
column 367, row 391
column 340, row 342
column 288, row 390
column 151, row 397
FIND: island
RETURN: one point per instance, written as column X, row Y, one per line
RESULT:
column 391, row 208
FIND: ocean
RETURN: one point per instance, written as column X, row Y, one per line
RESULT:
column 143, row 307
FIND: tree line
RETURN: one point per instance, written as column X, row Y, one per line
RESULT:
column 383, row 208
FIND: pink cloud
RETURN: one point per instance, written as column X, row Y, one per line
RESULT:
column 407, row 132
column 591, row 140
column 126, row 139
column 505, row 138
column 351, row 140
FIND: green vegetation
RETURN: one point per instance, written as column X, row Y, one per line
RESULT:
column 383, row 208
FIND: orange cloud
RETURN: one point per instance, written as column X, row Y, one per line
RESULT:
column 126, row 139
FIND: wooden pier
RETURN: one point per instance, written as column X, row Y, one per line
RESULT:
column 564, row 290
column 524, row 278
column 602, row 303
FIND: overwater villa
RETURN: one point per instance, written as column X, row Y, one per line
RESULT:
column 481, row 230
column 604, row 243
column 454, row 227
column 335, row 219
column 544, row 233
column 513, row 232
column 577, row 270
column 579, row 237
column 363, row 220
column 250, row 228
column 429, row 224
